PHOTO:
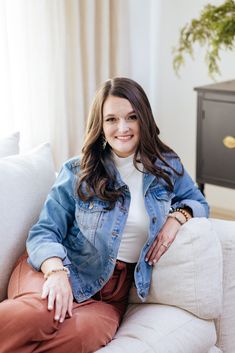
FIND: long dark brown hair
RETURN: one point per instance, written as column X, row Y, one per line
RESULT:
column 96, row 178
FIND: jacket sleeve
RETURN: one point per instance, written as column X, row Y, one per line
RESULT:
column 187, row 194
column 46, row 236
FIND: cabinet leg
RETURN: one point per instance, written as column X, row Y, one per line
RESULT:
column 201, row 187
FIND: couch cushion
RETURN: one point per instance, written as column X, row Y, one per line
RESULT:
column 152, row 328
column 24, row 183
column 215, row 350
column 189, row 274
column 225, row 324
column 9, row 145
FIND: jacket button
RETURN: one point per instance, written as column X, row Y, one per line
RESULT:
column 101, row 280
column 123, row 209
column 91, row 205
column 112, row 259
column 154, row 219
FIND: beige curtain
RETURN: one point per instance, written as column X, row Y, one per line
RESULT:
column 54, row 54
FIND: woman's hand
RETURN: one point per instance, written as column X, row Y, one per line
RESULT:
column 57, row 289
column 164, row 239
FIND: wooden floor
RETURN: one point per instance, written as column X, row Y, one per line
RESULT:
column 222, row 214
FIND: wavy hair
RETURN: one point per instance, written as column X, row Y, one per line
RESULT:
column 96, row 178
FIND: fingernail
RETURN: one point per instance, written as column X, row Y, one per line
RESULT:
column 61, row 320
column 146, row 259
column 154, row 261
column 150, row 263
column 56, row 318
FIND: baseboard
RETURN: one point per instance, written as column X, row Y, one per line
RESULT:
column 222, row 213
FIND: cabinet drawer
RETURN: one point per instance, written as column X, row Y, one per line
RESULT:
column 215, row 122
column 217, row 162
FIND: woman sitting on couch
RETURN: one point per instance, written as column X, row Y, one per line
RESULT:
column 109, row 217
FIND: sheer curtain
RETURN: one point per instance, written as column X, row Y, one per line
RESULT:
column 54, row 54
column 33, row 89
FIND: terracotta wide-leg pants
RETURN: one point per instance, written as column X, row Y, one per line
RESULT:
column 26, row 325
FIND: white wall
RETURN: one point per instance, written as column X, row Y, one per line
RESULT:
column 176, row 110
column 137, row 43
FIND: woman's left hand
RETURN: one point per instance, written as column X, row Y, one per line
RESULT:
column 163, row 241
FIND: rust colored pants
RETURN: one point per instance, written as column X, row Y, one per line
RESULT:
column 26, row 325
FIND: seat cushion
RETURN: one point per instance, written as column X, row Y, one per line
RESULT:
column 25, row 181
column 154, row 328
column 189, row 274
column 225, row 324
column 215, row 350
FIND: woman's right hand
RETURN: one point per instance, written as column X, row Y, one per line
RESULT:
column 57, row 289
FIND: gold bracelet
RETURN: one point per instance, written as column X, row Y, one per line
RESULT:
column 181, row 210
column 64, row 269
column 170, row 215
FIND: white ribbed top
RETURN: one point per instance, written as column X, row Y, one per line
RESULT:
column 136, row 229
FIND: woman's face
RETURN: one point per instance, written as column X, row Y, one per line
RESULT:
column 120, row 126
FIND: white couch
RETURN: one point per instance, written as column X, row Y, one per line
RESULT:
column 154, row 328
column 146, row 328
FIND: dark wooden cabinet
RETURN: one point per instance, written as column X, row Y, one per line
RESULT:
column 216, row 135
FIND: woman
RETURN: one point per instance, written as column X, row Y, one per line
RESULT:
column 108, row 219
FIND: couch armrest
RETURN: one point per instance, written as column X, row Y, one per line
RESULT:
column 226, row 322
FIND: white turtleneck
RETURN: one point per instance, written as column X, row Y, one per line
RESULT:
column 136, row 229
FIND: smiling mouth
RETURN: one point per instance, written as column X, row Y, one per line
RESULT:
column 124, row 138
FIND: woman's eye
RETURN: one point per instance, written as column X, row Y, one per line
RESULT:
column 132, row 117
column 110, row 120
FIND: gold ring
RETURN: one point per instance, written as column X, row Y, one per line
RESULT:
column 165, row 245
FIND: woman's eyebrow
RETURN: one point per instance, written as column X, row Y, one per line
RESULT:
column 111, row 115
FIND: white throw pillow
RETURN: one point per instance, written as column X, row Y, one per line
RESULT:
column 25, row 181
column 9, row 145
column 189, row 274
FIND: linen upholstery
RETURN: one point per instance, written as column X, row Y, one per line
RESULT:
column 225, row 324
column 24, row 184
column 177, row 331
column 189, row 274
column 9, row 145
column 215, row 350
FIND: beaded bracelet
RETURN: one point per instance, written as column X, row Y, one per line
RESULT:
column 181, row 210
column 65, row 269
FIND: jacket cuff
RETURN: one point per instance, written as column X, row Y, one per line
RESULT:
column 198, row 210
column 46, row 252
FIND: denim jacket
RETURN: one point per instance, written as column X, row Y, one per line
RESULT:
column 86, row 236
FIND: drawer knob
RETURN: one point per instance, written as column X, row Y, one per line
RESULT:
column 229, row 141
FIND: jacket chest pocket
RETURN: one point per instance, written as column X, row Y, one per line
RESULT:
column 89, row 217
column 163, row 198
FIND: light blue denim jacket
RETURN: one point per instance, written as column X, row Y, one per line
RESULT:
column 86, row 236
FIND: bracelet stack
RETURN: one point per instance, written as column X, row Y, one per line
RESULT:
column 65, row 269
column 184, row 213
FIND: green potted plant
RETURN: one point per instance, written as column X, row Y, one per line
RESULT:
column 215, row 29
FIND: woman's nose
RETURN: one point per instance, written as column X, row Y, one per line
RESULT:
column 123, row 126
